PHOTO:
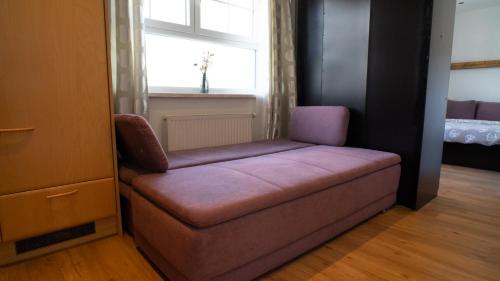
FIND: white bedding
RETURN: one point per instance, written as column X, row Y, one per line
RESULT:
column 472, row 131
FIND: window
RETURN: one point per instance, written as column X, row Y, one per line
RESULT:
column 231, row 16
column 172, row 11
column 179, row 32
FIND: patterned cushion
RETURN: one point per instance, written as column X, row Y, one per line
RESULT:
column 461, row 109
column 137, row 143
column 488, row 111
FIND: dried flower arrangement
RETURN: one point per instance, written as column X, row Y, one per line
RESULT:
column 203, row 66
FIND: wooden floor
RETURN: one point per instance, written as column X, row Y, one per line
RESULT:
column 455, row 237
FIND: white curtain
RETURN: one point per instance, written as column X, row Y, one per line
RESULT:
column 283, row 79
column 128, row 57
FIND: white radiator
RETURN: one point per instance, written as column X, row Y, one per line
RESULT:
column 196, row 131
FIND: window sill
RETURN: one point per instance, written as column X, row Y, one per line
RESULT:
column 201, row 96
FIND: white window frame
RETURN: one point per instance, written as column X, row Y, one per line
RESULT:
column 163, row 25
column 194, row 31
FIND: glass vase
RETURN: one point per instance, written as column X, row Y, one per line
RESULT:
column 204, row 84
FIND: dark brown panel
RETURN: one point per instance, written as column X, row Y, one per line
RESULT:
column 345, row 59
column 443, row 19
column 375, row 61
column 310, row 50
column 397, row 74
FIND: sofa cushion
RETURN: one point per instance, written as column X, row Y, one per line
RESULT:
column 461, row 109
column 128, row 172
column 488, row 111
column 221, row 251
column 210, row 194
column 201, row 156
column 195, row 157
column 137, row 143
column 319, row 125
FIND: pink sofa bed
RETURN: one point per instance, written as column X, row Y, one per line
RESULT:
column 239, row 211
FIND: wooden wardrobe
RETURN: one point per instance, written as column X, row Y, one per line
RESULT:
column 57, row 167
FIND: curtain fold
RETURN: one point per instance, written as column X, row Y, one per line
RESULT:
column 283, row 80
column 128, row 57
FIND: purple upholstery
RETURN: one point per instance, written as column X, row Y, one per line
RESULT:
column 461, row 109
column 207, row 195
column 137, row 143
column 195, row 157
column 128, row 172
column 319, row 125
column 272, row 260
column 236, row 212
column 488, row 111
column 246, row 247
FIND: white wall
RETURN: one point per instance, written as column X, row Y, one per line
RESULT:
column 183, row 104
column 476, row 38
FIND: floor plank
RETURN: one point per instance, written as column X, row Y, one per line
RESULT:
column 455, row 237
column 113, row 258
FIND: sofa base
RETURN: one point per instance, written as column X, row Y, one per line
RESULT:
column 472, row 155
column 271, row 261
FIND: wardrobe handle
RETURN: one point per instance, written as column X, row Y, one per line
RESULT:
column 16, row 130
column 62, row 194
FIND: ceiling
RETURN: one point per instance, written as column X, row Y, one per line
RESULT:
column 476, row 4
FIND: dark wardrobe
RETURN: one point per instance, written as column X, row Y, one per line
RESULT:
column 388, row 61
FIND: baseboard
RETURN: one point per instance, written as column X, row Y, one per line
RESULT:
column 103, row 227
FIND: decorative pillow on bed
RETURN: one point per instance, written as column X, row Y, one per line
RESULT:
column 488, row 111
column 137, row 143
column 319, row 125
column 461, row 109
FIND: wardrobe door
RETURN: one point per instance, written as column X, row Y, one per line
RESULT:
column 54, row 97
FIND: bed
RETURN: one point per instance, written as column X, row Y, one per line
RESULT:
column 466, row 131
column 472, row 135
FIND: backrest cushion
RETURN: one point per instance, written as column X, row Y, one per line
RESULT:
column 488, row 111
column 137, row 143
column 319, row 125
column 461, row 109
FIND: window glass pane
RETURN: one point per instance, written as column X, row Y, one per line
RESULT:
column 171, row 60
column 214, row 16
column 242, row 3
column 240, row 21
column 228, row 16
column 173, row 11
